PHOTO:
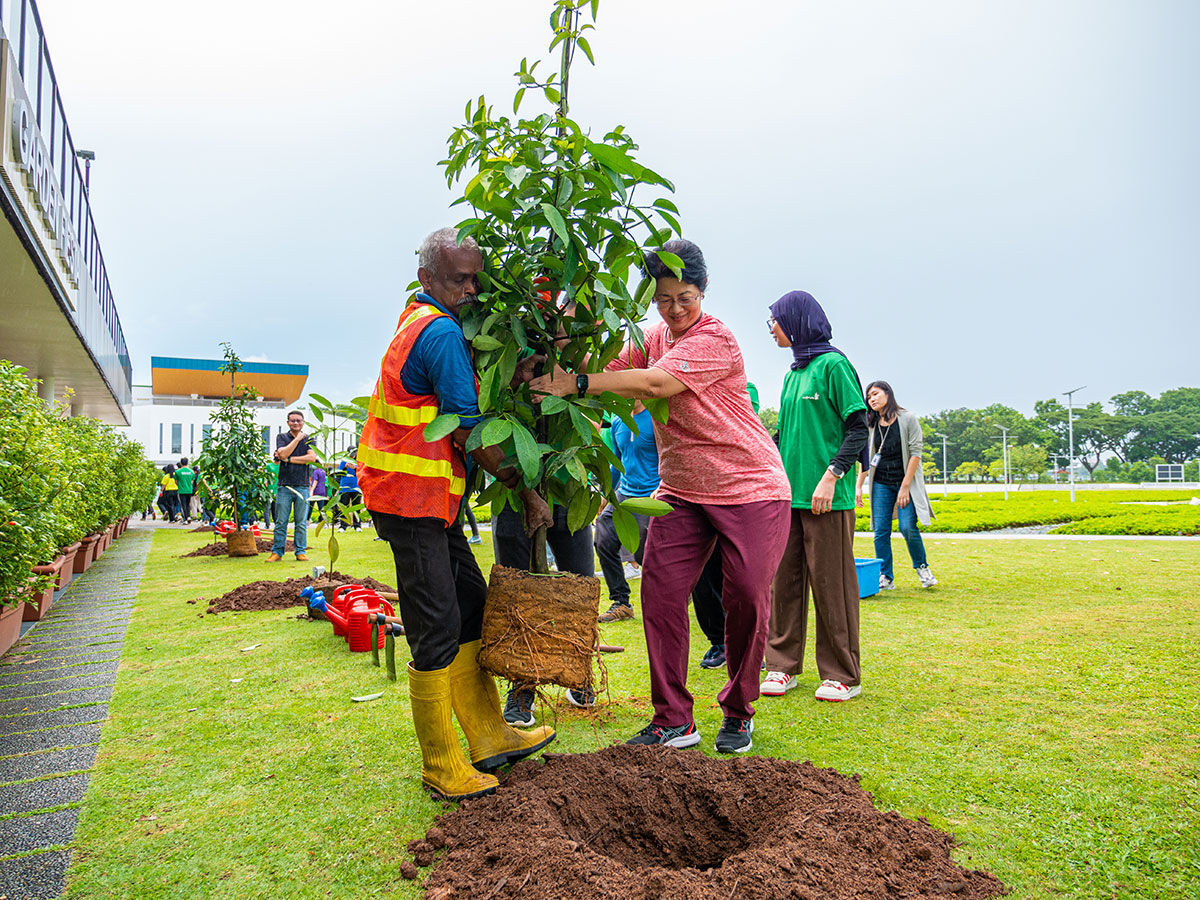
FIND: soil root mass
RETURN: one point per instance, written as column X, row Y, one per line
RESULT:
column 652, row 823
column 259, row 595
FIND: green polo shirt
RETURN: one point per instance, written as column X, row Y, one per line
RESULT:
column 812, row 414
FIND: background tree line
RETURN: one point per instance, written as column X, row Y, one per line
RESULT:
column 1122, row 443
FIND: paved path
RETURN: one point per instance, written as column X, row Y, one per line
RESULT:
column 54, row 688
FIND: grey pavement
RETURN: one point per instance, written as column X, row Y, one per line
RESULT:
column 55, row 683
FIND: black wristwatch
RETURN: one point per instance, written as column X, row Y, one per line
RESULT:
column 581, row 384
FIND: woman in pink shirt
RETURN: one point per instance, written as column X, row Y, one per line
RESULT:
column 722, row 474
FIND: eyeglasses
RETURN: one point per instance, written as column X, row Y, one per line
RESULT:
column 684, row 302
column 770, row 323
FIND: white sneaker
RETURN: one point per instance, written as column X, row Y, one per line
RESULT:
column 886, row 584
column 632, row 571
column 835, row 691
column 927, row 579
column 777, row 684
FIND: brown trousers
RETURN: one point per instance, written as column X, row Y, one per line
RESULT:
column 820, row 556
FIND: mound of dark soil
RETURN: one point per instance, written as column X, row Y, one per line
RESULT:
column 281, row 594
column 220, row 548
column 652, row 822
column 202, row 529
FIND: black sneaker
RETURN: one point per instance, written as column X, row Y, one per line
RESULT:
column 518, row 708
column 714, row 658
column 734, row 736
column 684, row 735
column 584, row 698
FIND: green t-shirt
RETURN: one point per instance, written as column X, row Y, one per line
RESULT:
column 812, row 414
column 186, row 479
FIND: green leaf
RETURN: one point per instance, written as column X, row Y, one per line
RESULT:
column 551, row 93
column 577, row 510
column 496, row 431
column 518, row 97
column 335, row 549
column 320, row 399
column 475, row 438
column 582, row 424
column 441, row 426
column 552, row 405
column 627, row 528
column 554, row 217
column 671, row 261
column 615, row 159
column 527, row 453
column 586, row 48
column 485, row 342
column 658, row 409
column 646, row 506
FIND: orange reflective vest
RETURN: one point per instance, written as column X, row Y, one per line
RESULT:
column 399, row 472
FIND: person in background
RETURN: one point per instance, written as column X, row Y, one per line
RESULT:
column 638, row 453
column 349, row 495
column 273, row 487
column 723, row 478
column 822, row 433
column 170, row 492
column 185, row 478
column 295, row 454
column 318, row 493
column 414, row 490
column 897, row 483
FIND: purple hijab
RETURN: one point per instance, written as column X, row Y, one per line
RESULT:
column 806, row 326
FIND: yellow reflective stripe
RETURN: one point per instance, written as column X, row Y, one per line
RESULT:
column 411, row 416
column 411, row 465
column 420, row 311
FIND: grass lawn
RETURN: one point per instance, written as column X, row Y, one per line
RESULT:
column 1041, row 703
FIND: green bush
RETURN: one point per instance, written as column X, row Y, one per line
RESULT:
column 61, row 477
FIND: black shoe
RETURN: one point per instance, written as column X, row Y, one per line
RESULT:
column 583, row 699
column 518, row 708
column 684, row 735
column 714, row 658
column 734, row 736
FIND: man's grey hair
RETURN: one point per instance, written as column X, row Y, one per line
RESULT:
column 432, row 248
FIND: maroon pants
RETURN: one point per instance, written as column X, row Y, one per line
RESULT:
column 753, row 536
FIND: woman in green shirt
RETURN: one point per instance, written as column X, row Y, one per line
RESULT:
column 822, row 433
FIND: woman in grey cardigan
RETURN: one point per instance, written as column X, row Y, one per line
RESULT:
column 897, row 485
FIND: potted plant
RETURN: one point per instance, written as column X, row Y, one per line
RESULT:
column 233, row 462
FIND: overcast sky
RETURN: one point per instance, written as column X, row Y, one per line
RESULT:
column 994, row 201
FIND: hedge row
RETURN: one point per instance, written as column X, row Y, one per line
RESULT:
column 62, row 477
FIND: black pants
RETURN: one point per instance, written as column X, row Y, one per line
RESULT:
column 316, row 508
column 608, row 548
column 185, row 506
column 572, row 550
column 706, row 597
column 440, row 586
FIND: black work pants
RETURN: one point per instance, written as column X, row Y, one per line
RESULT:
column 706, row 598
column 573, row 550
column 440, row 586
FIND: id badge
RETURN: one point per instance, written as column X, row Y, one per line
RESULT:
column 874, row 460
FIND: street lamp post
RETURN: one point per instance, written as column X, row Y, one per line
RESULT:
column 87, row 156
column 1071, row 438
column 943, row 437
column 1005, row 437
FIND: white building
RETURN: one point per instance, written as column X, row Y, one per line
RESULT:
column 171, row 414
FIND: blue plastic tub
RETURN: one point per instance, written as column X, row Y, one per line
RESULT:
column 868, row 576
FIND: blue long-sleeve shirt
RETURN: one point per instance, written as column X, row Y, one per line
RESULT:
column 440, row 364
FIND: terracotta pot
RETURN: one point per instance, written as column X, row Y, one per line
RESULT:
column 86, row 555
column 37, row 605
column 10, row 626
column 241, row 543
column 68, row 566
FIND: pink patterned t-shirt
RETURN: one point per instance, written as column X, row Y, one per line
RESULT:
column 713, row 448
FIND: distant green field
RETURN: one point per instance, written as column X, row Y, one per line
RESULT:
column 1093, row 512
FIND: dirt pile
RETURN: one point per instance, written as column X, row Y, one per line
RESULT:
column 220, row 548
column 202, row 529
column 652, row 822
column 281, row 594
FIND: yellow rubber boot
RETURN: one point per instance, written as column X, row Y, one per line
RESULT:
column 493, row 741
column 444, row 768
